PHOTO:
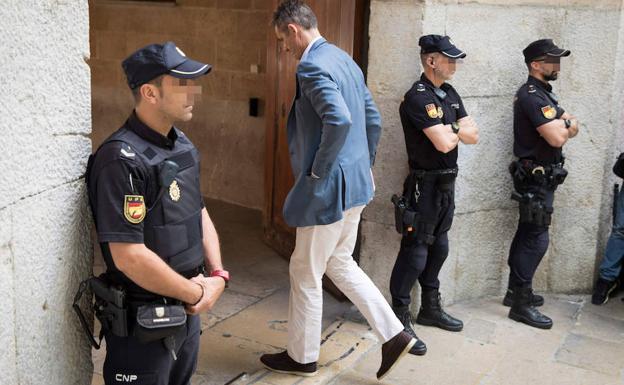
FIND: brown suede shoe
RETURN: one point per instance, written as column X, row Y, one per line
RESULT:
column 282, row 363
column 392, row 351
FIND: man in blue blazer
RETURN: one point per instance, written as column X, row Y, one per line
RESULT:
column 333, row 130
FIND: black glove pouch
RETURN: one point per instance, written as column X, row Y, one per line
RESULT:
column 158, row 321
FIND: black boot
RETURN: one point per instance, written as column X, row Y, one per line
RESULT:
column 522, row 310
column 602, row 291
column 403, row 314
column 536, row 300
column 431, row 313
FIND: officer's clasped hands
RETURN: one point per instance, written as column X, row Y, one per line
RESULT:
column 212, row 289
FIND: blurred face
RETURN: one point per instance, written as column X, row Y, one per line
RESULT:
column 291, row 40
column 175, row 98
column 548, row 67
column 443, row 66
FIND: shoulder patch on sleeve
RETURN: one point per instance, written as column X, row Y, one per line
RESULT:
column 549, row 112
column 432, row 110
column 134, row 208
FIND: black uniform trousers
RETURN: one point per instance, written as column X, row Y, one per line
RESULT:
column 421, row 257
column 130, row 361
column 529, row 246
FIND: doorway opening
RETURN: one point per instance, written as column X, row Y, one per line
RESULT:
column 235, row 128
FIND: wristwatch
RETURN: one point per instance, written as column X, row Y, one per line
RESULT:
column 223, row 274
column 455, row 127
column 568, row 123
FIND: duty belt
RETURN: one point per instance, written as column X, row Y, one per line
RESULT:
column 425, row 173
column 443, row 178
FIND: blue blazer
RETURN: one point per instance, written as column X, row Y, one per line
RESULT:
column 333, row 131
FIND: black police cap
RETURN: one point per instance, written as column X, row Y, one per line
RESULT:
column 442, row 44
column 154, row 60
column 543, row 47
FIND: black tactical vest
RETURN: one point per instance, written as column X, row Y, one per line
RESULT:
column 173, row 223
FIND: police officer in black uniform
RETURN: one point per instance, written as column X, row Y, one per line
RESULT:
column 541, row 128
column 154, row 231
column 434, row 122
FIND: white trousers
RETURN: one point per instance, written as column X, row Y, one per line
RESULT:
column 328, row 249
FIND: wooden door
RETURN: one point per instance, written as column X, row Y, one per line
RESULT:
column 343, row 23
column 336, row 24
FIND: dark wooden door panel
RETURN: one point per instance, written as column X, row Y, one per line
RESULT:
column 336, row 20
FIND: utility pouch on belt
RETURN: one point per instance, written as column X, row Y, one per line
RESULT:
column 158, row 321
column 558, row 176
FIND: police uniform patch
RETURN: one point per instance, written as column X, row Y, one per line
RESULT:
column 531, row 88
column 420, row 87
column 174, row 191
column 440, row 112
column 134, row 208
column 432, row 110
column 549, row 112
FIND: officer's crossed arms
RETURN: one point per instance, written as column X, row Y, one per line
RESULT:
column 445, row 138
column 556, row 131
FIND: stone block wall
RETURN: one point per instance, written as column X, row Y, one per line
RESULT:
column 231, row 35
column 493, row 33
column 45, row 247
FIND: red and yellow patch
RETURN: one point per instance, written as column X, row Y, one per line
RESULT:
column 549, row 112
column 134, row 208
column 432, row 110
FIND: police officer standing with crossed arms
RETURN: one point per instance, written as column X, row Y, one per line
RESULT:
column 434, row 123
column 541, row 128
column 154, row 231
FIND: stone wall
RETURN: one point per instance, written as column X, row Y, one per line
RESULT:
column 45, row 248
column 231, row 35
column 493, row 33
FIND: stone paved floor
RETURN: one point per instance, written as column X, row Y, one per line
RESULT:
column 585, row 347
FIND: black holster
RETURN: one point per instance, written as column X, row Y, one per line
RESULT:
column 533, row 209
column 532, row 182
column 422, row 223
column 109, row 306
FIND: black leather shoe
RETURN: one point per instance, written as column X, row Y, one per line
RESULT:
column 404, row 315
column 522, row 311
column 392, row 351
column 282, row 363
column 536, row 300
column 431, row 313
column 602, row 291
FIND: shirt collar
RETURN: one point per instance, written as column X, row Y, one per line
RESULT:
column 309, row 47
column 536, row 82
column 141, row 129
column 426, row 80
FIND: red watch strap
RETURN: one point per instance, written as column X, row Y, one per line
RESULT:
column 221, row 273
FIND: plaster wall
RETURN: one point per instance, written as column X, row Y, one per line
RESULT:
column 493, row 33
column 45, row 247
